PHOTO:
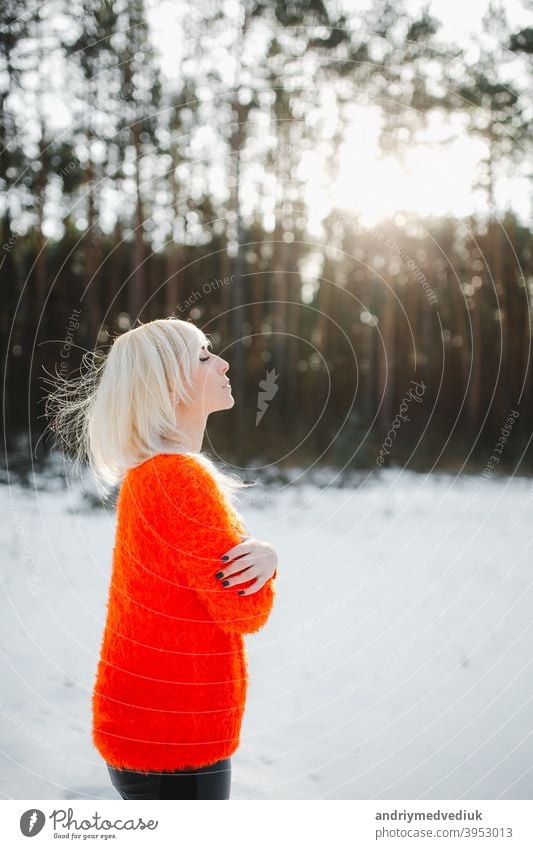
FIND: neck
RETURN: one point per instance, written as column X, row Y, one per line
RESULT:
column 193, row 425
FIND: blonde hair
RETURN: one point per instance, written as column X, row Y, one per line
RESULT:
column 122, row 410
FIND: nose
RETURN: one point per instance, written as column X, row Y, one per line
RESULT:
column 225, row 366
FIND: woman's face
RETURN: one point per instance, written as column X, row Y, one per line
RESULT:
column 212, row 388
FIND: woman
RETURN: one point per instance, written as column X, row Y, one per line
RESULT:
column 187, row 583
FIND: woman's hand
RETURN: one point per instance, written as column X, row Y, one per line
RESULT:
column 257, row 558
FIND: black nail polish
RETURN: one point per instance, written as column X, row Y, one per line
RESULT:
column 219, row 575
column 225, row 583
column 224, row 557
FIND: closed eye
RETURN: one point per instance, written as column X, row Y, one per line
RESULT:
column 204, row 350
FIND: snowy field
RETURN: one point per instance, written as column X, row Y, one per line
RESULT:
column 396, row 664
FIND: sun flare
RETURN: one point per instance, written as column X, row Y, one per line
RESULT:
column 434, row 176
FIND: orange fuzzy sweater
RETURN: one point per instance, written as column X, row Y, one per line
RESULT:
column 171, row 682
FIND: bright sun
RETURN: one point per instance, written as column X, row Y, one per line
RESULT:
column 435, row 177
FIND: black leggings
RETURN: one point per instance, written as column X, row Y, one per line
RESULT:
column 208, row 782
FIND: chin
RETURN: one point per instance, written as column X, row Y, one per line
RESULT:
column 230, row 402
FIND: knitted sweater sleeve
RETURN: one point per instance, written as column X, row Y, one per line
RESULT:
column 198, row 525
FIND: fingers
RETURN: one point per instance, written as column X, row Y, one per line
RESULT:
column 228, row 570
column 237, row 567
column 228, row 583
column 237, row 580
column 237, row 550
column 253, row 589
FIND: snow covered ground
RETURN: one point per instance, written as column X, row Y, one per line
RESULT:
column 396, row 664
